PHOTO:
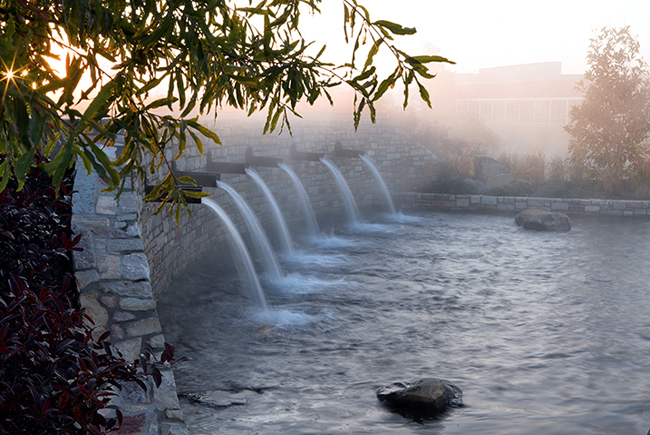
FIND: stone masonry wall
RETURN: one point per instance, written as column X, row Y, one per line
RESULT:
column 405, row 166
column 112, row 274
column 506, row 204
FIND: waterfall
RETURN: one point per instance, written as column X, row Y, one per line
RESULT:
column 349, row 204
column 258, row 236
column 283, row 231
column 243, row 261
column 310, row 218
column 385, row 195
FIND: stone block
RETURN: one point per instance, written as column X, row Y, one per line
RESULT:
column 86, row 277
column 139, row 289
column 172, row 429
column 157, row 342
column 592, row 208
column 165, row 395
column 106, row 205
column 505, row 207
column 489, row 200
column 133, row 393
column 96, row 312
column 462, row 202
column 130, row 349
column 80, row 221
column 128, row 203
column 109, row 301
column 559, row 206
column 143, row 327
column 137, row 304
column 84, row 259
column 109, row 233
column 133, row 230
column 124, row 245
column 619, row 205
column 108, row 266
column 135, row 266
column 122, row 316
column 174, row 414
column 117, row 333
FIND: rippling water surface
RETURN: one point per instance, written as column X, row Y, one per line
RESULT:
column 544, row 333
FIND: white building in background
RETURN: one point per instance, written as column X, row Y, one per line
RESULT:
column 526, row 105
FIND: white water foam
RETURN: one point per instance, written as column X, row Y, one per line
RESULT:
column 401, row 218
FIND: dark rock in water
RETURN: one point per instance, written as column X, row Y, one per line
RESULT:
column 425, row 399
column 218, row 399
column 542, row 220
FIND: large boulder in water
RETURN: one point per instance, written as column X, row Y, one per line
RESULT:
column 425, row 399
column 492, row 173
column 542, row 220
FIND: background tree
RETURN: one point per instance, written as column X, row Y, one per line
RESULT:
column 125, row 60
column 609, row 129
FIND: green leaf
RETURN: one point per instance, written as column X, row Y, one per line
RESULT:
column 385, row 84
column 428, row 59
column 205, row 131
column 187, row 180
column 193, row 194
column 99, row 101
column 22, row 167
column 5, row 175
column 395, row 28
column 167, row 101
column 371, row 53
column 365, row 75
column 150, row 85
column 424, row 94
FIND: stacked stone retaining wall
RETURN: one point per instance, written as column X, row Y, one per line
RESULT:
column 113, row 277
column 507, row 204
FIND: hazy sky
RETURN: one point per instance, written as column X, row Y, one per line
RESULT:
column 480, row 33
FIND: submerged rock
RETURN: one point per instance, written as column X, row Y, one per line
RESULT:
column 220, row 398
column 425, row 399
column 542, row 220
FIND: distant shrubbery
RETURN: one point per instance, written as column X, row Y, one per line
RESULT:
column 548, row 177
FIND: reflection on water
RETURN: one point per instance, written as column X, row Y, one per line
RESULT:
column 544, row 333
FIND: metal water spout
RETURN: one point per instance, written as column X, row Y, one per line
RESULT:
column 339, row 151
column 269, row 162
column 304, row 156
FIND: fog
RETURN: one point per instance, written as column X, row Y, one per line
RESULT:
column 516, row 66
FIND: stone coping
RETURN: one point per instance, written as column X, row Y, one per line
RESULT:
column 506, row 204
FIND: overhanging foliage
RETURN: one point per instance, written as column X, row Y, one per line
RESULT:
column 126, row 60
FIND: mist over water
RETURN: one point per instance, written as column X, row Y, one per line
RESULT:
column 544, row 333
